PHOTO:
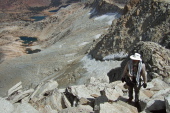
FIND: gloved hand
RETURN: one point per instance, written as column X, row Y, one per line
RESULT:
column 123, row 79
column 144, row 85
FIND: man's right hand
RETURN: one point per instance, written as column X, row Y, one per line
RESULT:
column 123, row 79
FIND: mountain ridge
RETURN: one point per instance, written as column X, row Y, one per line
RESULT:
column 82, row 54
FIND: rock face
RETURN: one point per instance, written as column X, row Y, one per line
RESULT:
column 146, row 21
column 156, row 58
column 131, row 4
column 104, row 6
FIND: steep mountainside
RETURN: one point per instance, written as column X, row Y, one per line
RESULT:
column 146, row 21
column 71, row 61
column 143, row 21
column 63, row 40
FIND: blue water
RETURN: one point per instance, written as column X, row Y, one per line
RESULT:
column 28, row 40
column 38, row 18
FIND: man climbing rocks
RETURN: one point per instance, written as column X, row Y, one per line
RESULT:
column 132, row 74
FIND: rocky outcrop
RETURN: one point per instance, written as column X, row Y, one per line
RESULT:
column 104, row 6
column 57, row 61
column 146, row 21
column 89, row 98
column 156, row 58
column 130, row 5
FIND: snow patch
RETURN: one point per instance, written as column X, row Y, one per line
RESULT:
column 97, row 36
column 92, row 12
column 70, row 61
column 108, row 17
column 115, row 56
column 97, row 69
column 84, row 43
column 69, row 55
column 60, row 46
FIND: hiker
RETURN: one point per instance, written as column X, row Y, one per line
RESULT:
column 132, row 73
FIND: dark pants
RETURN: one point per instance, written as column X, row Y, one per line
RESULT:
column 137, row 91
column 133, row 86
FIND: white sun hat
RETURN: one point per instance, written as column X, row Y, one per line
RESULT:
column 136, row 56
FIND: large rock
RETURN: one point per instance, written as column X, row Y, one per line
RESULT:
column 6, row 106
column 153, row 96
column 22, row 96
column 47, row 96
column 15, row 88
column 112, row 91
column 155, row 105
column 24, row 108
column 16, row 94
column 47, row 109
column 158, row 84
column 54, row 100
column 43, row 89
column 78, row 109
column 156, row 58
column 118, row 107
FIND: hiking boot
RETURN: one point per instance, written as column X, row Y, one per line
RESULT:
column 129, row 101
column 137, row 101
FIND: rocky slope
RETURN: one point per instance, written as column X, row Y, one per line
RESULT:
column 95, row 97
column 63, row 38
column 143, row 21
column 19, row 5
column 146, row 21
column 23, row 9
column 68, row 49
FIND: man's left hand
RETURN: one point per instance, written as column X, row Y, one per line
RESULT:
column 144, row 85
